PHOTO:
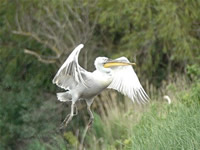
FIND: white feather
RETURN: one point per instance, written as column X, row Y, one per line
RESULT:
column 63, row 97
column 70, row 73
column 126, row 81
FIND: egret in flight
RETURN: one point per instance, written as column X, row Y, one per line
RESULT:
column 80, row 84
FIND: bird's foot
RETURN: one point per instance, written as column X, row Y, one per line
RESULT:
column 67, row 119
column 90, row 123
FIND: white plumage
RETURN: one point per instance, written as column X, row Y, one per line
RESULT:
column 70, row 73
column 80, row 84
column 126, row 81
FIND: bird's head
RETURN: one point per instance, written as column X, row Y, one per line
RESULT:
column 99, row 64
column 100, row 61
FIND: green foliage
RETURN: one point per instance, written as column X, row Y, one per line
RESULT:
column 157, row 34
column 194, row 72
column 70, row 138
column 175, row 128
column 24, row 83
column 57, row 142
column 161, row 126
column 192, row 97
column 98, row 126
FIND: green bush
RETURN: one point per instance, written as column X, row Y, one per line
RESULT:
column 154, row 126
column 161, row 36
column 175, row 128
column 193, row 72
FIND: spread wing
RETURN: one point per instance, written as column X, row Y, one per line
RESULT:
column 126, row 81
column 71, row 73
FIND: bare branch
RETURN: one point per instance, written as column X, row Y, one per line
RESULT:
column 34, row 36
column 60, row 30
column 17, row 21
column 40, row 57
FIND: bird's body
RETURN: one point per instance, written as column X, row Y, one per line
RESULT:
column 83, row 85
column 97, row 85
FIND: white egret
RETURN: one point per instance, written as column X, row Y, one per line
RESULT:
column 80, row 84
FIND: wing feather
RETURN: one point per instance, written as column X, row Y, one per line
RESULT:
column 126, row 81
column 70, row 73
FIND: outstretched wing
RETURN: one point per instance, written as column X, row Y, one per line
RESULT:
column 126, row 81
column 71, row 73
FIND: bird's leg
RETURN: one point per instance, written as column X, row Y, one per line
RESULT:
column 76, row 110
column 76, row 113
column 69, row 116
column 91, row 116
column 65, row 119
column 89, row 102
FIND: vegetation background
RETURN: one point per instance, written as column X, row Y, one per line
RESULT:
column 161, row 36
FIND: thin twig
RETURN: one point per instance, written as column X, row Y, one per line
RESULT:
column 39, row 57
column 34, row 36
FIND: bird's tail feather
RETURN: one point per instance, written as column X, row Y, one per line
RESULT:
column 64, row 96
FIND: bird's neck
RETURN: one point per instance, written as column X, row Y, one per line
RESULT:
column 103, row 70
column 104, row 76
